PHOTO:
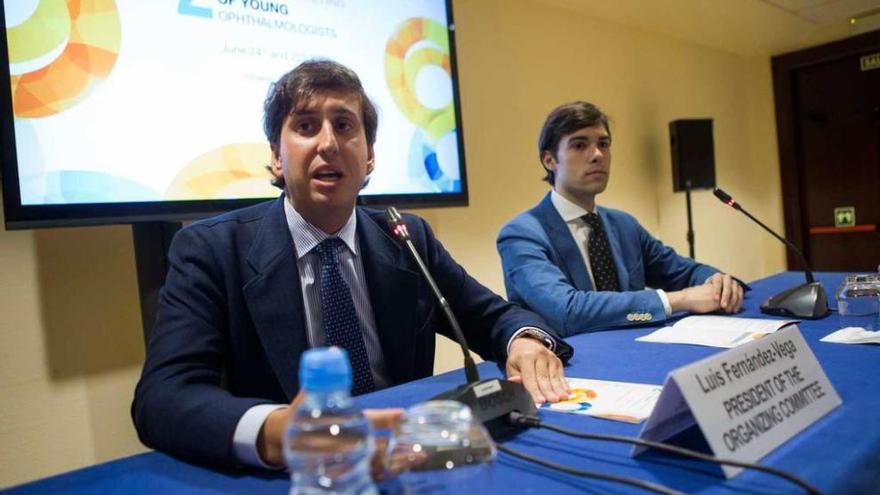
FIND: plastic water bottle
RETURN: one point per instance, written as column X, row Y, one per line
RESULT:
column 328, row 446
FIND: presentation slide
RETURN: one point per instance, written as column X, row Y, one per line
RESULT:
column 135, row 100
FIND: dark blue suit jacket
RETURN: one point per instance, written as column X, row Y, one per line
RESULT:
column 545, row 272
column 230, row 328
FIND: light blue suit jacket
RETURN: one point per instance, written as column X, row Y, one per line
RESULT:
column 545, row 272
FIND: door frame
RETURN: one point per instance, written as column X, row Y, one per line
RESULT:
column 783, row 67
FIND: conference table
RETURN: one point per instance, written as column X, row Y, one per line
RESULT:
column 839, row 454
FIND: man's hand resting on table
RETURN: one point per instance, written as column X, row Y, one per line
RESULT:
column 720, row 292
column 538, row 369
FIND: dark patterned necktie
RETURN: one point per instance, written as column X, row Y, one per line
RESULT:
column 341, row 324
column 601, row 260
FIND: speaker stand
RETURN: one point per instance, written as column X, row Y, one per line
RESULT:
column 151, row 243
column 690, row 234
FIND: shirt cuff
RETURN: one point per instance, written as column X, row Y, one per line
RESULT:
column 244, row 441
column 665, row 300
column 522, row 330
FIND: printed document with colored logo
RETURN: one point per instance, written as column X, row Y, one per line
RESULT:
column 618, row 401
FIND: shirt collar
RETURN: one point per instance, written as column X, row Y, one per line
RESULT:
column 306, row 236
column 567, row 210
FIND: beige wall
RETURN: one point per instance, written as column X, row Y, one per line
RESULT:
column 70, row 349
column 70, row 338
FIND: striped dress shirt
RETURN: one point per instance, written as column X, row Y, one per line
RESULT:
column 305, row 237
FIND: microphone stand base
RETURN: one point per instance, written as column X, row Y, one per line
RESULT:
column 804, row 301
column 491, row 402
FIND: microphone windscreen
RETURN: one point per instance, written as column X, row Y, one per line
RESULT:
column 395, row 222
column 392, row 216
column 723, row 196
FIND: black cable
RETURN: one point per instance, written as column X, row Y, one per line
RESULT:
column 646, row 485
column 522, row 420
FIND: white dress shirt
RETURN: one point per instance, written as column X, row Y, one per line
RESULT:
column 572, row 215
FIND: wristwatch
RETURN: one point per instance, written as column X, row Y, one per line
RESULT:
column 538, row 335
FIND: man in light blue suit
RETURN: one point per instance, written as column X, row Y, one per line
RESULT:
column 584, row 267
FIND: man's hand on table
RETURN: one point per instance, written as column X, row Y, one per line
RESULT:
column 538, row 369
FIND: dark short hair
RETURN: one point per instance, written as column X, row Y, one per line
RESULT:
column 564, row 120
column 293, row 91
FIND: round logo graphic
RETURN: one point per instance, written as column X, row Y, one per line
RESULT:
column 60, row 53
column 418, row 73
column 418, row 44
column 578, row 401
column 228, row 172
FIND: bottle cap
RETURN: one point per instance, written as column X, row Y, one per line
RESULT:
column 325, row 369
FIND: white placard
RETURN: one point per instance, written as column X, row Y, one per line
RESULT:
column 747, row 401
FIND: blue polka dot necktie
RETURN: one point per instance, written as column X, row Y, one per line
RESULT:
column 341, row 324
column 601, row 259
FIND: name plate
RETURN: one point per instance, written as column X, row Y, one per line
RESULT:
column 747, row 400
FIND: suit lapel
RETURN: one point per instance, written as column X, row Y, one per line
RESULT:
column 560, row 237
column 274, row 297
column 393, row 295
column 614, row 236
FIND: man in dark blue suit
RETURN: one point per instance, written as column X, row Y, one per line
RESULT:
column 585, row 267
column 249, row 291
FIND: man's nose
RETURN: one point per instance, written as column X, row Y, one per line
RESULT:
column 596, row 153
column 327, row 143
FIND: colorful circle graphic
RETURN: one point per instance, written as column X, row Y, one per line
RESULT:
column 418, row 52
column 578, row 401
column 87, row 33
column 230, row 171
column 46, row 28
column 418, row 43
column 425, row 162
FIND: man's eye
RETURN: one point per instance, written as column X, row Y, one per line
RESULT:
column 304, row 126
column 344, row 125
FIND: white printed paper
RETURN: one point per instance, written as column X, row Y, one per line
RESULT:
column 852, row 335
column 715, row 331
column 618, row 401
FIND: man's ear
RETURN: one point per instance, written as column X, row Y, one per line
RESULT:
column 548, row 161
column 371, row 157
column 275, row 168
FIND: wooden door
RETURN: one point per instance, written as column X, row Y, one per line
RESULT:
column 828, row 118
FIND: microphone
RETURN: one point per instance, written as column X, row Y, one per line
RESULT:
column 804, row 301
column 491, row 401
column 398, row 227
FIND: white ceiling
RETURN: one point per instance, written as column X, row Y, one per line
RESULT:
column 829, row 11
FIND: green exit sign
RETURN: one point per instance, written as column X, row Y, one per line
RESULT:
column 845, row 216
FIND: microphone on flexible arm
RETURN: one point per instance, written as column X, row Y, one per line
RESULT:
column 491, row 401
column 804, row 301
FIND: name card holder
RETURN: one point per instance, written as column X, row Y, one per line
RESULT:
column 747, row 400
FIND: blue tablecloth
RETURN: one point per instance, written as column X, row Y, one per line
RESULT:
column 840, row 454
